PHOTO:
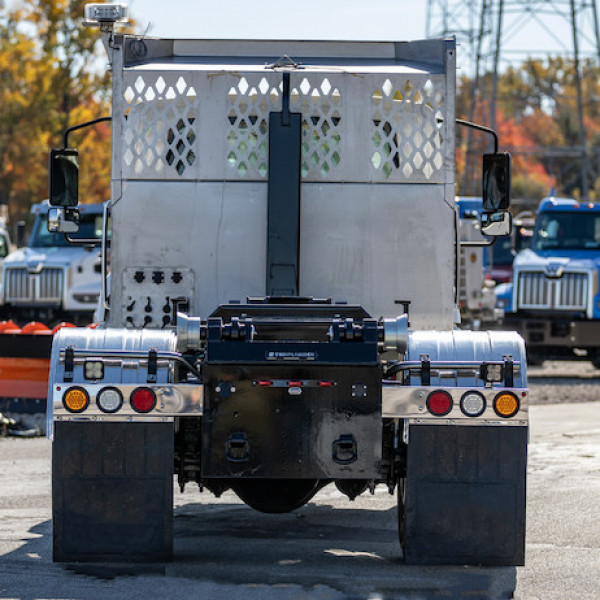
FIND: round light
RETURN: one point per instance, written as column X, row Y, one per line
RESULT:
column 439, row 403
column 472, row 404
column 109, row 400
column 143, row 400
column 76, row 399
column 506, row 405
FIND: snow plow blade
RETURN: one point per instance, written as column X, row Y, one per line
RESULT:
column 24, row 366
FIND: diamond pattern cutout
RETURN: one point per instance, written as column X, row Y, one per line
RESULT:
column 250, row 102
column 318, row 101
column 407, row 120
column 159, row 130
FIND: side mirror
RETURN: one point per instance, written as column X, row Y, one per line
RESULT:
column 496, row 224
column 64, row 177
column 496, row 182
column 63, row 220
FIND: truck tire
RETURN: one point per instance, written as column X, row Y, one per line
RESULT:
column 276, row 495
column 112, row 492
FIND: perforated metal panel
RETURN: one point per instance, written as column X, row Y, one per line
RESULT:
column 214, row 125
column 190, row 170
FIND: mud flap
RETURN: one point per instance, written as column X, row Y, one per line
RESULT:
column 112, row 492
column 465, row 495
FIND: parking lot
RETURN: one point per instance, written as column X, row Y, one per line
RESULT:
column 331, row 548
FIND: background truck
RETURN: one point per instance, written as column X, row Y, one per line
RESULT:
column 51, row 280
column 477, row 300
column 503, row 252
column 283, row 291
column 554, row 299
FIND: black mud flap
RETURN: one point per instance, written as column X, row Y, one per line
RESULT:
column 112, row 492
column 465, row 495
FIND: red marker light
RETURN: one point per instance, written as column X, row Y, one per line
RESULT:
column 325, row 383
column 143, row 400
column 265, row 383
column 439, row 403
column 294, row 383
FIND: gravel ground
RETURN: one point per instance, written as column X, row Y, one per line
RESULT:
column 559, row 382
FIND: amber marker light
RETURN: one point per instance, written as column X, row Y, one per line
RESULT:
column 506, row 405
column 76, row 399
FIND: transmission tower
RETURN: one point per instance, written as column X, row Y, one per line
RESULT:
column 492, row 34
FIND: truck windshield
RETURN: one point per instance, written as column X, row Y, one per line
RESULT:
column 567, row 231
column 90, row 226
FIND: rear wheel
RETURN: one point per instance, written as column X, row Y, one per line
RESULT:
column 276, row 495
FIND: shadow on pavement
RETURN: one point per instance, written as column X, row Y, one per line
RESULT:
column 353, row 552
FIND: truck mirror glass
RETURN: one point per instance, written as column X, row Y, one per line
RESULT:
column 64, row 177
column 63, row 220
column 496, row 181
column 496, row 224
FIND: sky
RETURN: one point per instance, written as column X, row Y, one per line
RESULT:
column 308, row 19
column 536, row 33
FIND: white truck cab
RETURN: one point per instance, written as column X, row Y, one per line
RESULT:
column 51, row 279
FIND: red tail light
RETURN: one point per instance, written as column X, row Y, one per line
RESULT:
column 143, row 400
column 439, row 403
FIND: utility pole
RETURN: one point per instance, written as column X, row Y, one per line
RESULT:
column 490, row 30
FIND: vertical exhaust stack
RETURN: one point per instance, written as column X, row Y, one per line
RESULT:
column 283, row 221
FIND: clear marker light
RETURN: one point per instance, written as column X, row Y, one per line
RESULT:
column 109, row 400
column 472, row 404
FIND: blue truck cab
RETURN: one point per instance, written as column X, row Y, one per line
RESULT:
column 554, row 300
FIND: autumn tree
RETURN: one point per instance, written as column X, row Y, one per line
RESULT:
column 53, row 76
column 537, row 122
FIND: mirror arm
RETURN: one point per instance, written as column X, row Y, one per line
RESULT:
column 82, row 241
column 81, row 126
column 481, row 128
column 478, row 244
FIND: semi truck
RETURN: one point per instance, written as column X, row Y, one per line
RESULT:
column 50, row 280
column 554, row 299
column 283, row 292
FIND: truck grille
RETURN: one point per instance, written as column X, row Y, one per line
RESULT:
column 38, row 288
column 569, row 292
